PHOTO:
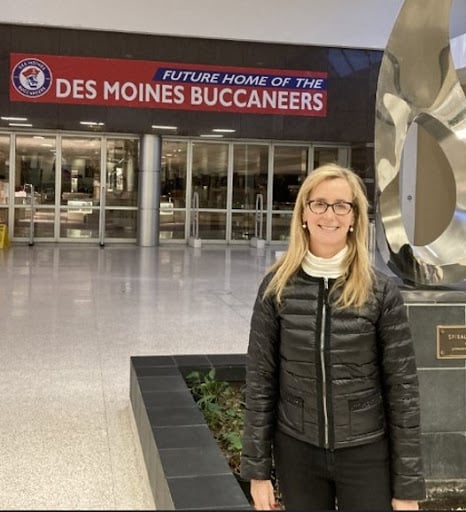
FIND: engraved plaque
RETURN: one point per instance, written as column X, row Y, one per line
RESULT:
column 451, row 341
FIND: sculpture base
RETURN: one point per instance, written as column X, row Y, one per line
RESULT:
column 442, row 382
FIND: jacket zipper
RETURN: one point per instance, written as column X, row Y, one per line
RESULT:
column 322, row 362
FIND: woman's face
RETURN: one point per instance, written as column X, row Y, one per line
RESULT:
column 328, row 231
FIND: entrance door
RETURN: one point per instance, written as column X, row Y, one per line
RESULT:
column 71, row 188
column 80, row 188
column 119, row 208
column 34, row 187
column 174, row 171
column 250, row 176
column 290, row 168
column 99, row 188
column 210, row 185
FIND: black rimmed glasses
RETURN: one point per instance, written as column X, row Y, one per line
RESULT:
column 340, row 208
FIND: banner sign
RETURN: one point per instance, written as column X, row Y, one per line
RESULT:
column 163, row 85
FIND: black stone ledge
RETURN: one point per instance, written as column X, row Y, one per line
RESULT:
column 186, row 469
column 433, row 296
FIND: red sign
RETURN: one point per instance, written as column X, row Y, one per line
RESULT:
column 166, row 85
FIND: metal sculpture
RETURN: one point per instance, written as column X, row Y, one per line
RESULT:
column 419, row 84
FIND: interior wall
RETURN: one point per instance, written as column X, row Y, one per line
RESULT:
column 352, row 82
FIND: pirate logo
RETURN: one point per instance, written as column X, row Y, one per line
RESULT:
column 31, row 78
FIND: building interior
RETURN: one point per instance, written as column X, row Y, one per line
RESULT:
column 74, row 311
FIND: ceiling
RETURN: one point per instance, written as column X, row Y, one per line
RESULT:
column 355, row 24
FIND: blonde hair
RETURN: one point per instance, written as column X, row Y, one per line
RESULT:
column 357, row 279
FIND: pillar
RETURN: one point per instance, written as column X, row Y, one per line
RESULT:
column 149, row 191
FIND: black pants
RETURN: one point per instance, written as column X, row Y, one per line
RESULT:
column 312, row 478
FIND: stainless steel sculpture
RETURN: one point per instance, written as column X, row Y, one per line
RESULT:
column 418, row 84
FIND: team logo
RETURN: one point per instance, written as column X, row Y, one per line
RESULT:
column 31, row 78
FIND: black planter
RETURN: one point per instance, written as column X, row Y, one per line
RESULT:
column 186, row 468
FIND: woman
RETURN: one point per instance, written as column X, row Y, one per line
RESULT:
column 331, row 377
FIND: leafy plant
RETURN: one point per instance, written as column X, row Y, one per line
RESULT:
column 222, row 404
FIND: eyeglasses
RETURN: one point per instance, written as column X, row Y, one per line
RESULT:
column 340, row 208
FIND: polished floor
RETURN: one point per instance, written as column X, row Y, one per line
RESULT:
column 71, row 317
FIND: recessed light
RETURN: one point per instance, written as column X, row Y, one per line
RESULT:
column 223, row 130
column 91, row 123
column 164, row 127
column 211, row 136
column 14, row 118
column 24, row 125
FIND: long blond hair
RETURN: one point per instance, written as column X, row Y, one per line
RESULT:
column 357, row 279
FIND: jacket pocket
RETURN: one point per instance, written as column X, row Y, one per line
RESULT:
column 291, row 412
column 366, row 414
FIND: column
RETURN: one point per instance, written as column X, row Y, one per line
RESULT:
column 149, row 191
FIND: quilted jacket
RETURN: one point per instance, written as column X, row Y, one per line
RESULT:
column 333, row 377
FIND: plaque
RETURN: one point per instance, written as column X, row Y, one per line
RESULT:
column 451, row 341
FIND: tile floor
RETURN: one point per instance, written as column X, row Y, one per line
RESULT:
column 70, row 317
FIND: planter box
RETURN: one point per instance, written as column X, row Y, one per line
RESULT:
column 187, row 470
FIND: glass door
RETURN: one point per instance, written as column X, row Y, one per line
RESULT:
column 250, row 169
column 69, row 187
column 119, row 212
column 173, row 190
column 80, row 188
column 227, row 177
column 290, row 168
column 210, row 184
column 34, row 187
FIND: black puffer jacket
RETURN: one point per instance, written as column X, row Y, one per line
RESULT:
column 333, row 377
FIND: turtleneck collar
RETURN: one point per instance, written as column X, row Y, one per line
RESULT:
column 324, row 267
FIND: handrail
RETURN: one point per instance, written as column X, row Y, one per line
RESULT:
column 195, row 216
column 259, row 219
column 33, row 206
column 102, row 216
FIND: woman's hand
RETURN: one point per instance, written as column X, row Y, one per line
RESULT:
column 263, row 495
column 404, row 504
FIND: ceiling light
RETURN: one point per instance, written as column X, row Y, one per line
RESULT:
column 14, row 118
column 164, row 127
column 211, row 136
column 223, row 130
column 91, row 123
column 28, row 125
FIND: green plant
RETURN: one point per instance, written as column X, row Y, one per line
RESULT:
column 222, row 404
